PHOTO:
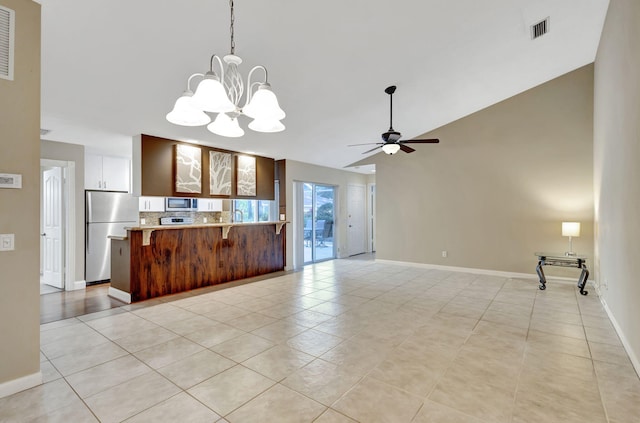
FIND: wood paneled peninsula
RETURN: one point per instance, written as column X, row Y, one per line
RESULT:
column 153, row 261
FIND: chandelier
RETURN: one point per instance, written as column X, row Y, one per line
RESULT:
column 222, row 95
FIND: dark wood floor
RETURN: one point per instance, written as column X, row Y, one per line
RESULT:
column 66, row 304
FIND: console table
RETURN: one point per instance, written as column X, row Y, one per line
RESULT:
column 562, row 260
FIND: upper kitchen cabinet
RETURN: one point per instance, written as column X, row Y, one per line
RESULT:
column 151, row 204
column 209, row 205
column 106, row 173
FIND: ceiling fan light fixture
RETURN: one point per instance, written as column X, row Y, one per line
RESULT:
column 185, row 114
column 226, row 126
column 391, row 143
column 391, row 148
column 266, row 125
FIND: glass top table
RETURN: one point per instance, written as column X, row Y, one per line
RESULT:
column 563, row 260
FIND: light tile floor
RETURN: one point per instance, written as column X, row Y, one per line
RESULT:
column 341, row 341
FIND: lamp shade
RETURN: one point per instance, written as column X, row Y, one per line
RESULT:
column 266, row 125
column 264, row 105
column 391, row 148
column 210, row 96
column 185, row 114
column 570, row 228
column 226, row 126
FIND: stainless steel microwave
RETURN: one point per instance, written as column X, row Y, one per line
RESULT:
column 181, row 204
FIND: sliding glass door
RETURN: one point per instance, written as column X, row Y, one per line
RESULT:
column 318, row 207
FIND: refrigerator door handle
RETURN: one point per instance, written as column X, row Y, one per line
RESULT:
column 86, row 239
column 89, row 214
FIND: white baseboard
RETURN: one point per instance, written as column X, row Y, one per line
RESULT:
column 17, row 385
column 499, row 273
column 125, row 297
column 625, row 343
column 78, row 285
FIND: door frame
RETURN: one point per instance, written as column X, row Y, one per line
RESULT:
column 52, row 228
column 298, row 222
column 69, row 217
column 371, row 217
column 362, row 219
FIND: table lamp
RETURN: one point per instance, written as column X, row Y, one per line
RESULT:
column 570, row 229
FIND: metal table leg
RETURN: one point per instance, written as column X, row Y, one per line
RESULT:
column 582, row 282
column 543, row 280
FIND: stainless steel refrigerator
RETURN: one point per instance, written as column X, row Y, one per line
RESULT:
column 106, row 213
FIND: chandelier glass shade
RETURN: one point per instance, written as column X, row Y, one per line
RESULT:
column 223, row 93
column 266, row 125
column 226, row 126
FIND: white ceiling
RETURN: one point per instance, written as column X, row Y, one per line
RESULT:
column 113, row 68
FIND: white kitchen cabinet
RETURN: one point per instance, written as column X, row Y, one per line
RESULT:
column 106, row 173
column 209, row 205
column 151, row 204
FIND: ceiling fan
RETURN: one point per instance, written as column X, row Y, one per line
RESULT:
column 391, row 139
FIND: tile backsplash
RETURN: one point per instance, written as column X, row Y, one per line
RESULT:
column 153, row 218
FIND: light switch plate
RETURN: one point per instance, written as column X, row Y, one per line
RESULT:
column 7, row 242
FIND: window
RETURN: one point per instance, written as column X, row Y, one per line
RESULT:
column 256, row 210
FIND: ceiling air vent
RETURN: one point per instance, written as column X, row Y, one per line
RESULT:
column 7, row 30
column 540, row 28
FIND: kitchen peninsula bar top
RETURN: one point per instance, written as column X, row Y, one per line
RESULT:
column 167, row 259
column 226, row 226
column 205, row 225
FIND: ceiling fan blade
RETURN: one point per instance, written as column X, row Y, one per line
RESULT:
column 406, row 149
column 366, row 143
column 374, row 148
column 425, row 141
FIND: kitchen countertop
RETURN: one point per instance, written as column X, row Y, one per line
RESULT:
column 118, row 237
column 205, row 225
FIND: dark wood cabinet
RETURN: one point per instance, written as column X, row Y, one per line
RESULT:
column 180, row 259
column 156, row 174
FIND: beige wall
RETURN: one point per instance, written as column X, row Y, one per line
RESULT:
column 497, row 187
column 616, row 169
column 303, row 172
column 19, row 208
column 73, row 153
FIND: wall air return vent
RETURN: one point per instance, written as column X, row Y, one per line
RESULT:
column 7, row 31
column 540, row 28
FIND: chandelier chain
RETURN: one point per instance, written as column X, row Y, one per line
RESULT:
column 233, row 18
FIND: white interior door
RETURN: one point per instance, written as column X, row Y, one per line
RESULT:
column 356, row 219
column 52, row 222
column 372, row 217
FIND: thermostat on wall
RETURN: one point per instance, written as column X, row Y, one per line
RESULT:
column 9, row 180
